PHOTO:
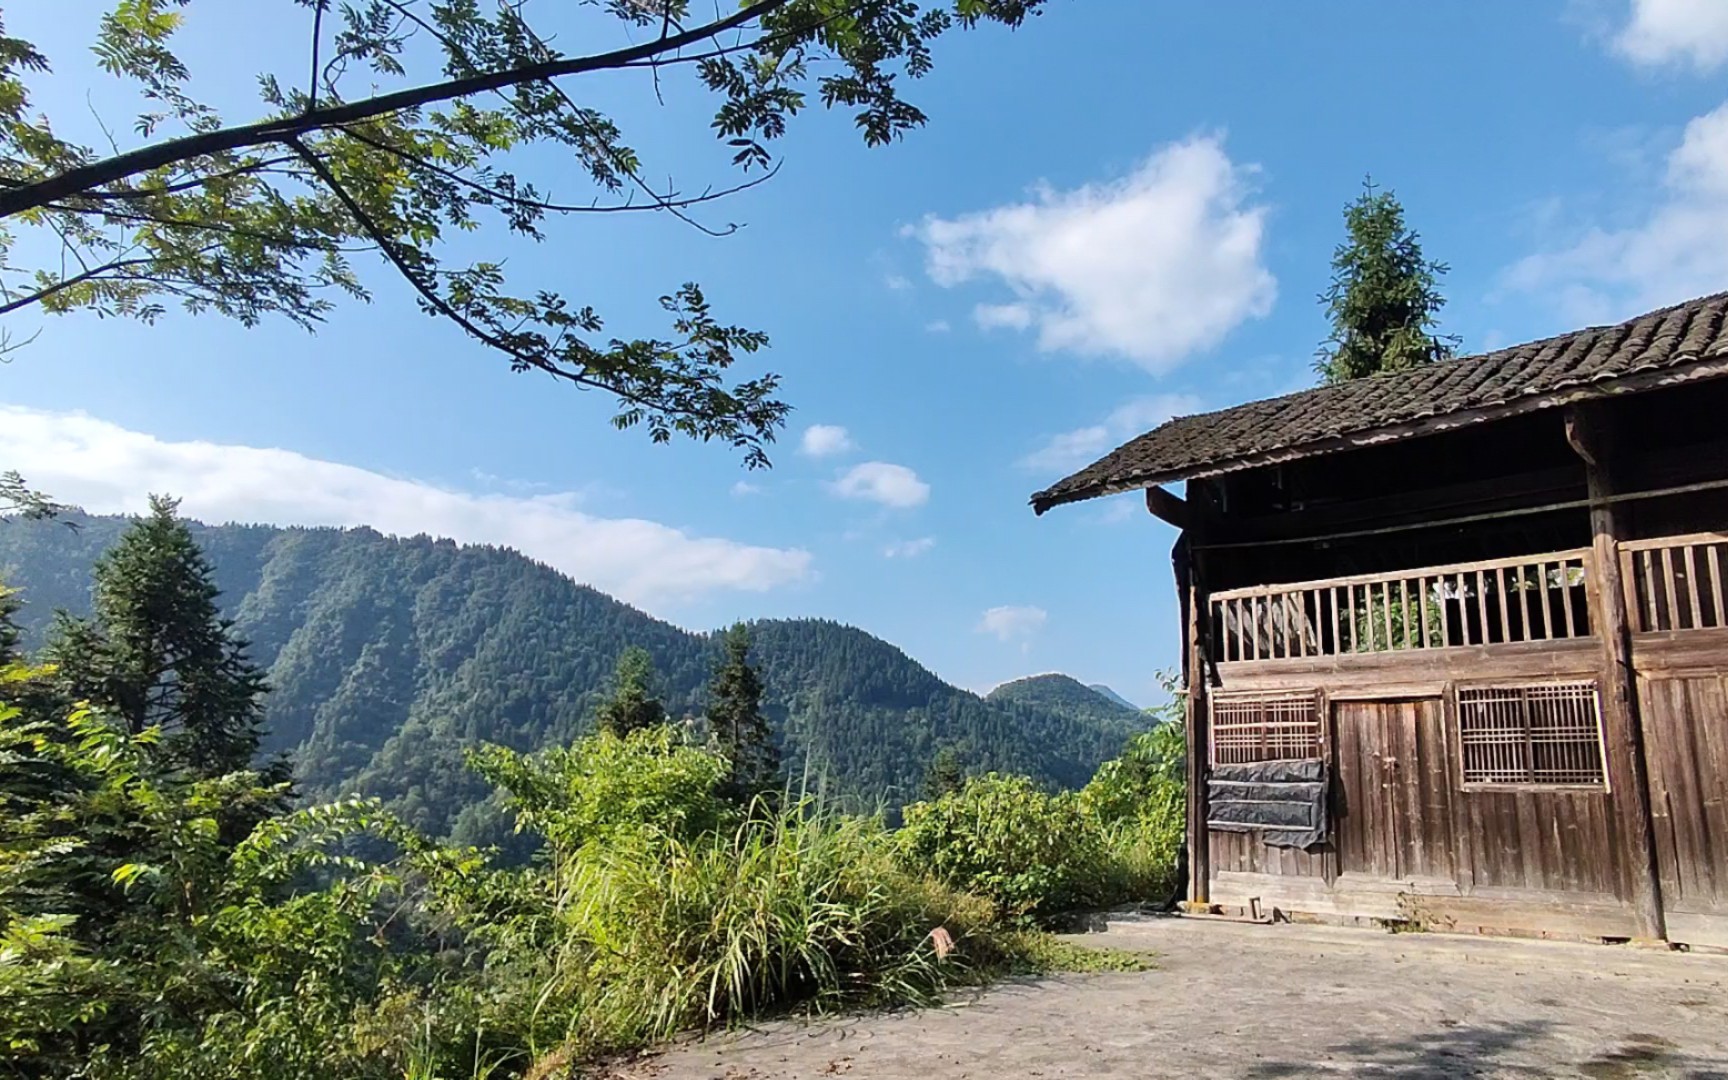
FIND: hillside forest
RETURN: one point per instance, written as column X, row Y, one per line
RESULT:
column 320, row 803
column 386, row 658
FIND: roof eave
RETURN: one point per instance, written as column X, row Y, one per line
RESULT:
column 1686, row 370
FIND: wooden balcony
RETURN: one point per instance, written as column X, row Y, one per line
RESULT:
column 1535, row 598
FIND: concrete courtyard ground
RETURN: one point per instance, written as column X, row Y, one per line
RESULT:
column 1235, row 1000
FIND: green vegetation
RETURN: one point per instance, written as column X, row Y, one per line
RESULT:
column 1036, row 855
column 1067, row 696
column 1384, row 300
column 735, row 720
column 632, row 706
column 388, row 658
column 164, row 913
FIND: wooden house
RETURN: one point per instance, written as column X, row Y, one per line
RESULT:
column 1478, row 610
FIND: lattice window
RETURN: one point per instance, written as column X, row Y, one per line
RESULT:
column 1542, row 734
column 1265, row 727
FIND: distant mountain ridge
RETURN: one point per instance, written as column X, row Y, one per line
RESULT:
column 1113, row 696
column 1067, row 696
column 388, row 657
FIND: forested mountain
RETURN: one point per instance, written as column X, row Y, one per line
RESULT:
column 387, row 657
column 1113, row 696
column 1071, row 698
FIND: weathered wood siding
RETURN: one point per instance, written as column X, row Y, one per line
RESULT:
column 1686, row 745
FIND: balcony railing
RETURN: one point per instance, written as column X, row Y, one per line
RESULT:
column 1676, row 582
column 1500, row 601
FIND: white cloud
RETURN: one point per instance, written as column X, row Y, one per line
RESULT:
column 1692, row 32
column 897, row 282
column 1676, row 251
column 1081, row 447
column 879, row 481
column 909, row 549
column 744, row 487
column 1010, row 621
column 1151, row 267
column 106, row 468
column 938, row 326
column 826, row 440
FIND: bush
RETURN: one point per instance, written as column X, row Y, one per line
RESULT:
column 1038, row 855
column 1034, row 854
column 606, row 785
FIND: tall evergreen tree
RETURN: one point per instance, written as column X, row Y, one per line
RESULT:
column 156, row 651
column 1384, row 301
column 945, row 776
column 632, row 705
column 735, row 717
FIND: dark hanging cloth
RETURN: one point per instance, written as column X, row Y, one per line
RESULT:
column 1283, row 801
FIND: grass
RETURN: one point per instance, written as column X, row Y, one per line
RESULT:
column 1041, row 953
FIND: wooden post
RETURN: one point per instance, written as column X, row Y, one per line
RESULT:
column 1590, row 433
column 1192, row 593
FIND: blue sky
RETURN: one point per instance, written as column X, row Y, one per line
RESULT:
column 1121, row 211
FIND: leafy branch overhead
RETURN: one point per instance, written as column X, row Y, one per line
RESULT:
column 405, row 128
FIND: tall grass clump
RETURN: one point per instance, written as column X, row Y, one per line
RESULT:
column 796, row 906
column 679, row 911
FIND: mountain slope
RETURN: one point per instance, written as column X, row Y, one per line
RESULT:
column 1071, row 698
column 389, row 657
column 1112, row 695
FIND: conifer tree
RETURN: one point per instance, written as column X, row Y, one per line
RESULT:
column 156, row 651
column 632, row 705
column 945, row 776
column 1384, row 301
column 735, row 717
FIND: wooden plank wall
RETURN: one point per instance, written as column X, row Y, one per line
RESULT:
column 1549, row 841
column 1686, row 739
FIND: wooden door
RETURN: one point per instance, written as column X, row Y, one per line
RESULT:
column 1686, row 753
column 1392, row 796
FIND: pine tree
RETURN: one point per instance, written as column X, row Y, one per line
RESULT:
column 945, row 776
column 735, row 717
column 156, row 652
column 632, row 705
column 1384, row 301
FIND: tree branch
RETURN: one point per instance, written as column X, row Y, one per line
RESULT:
column 443, row 307
column 287, row 130
column 75, row 279
column 669, row 201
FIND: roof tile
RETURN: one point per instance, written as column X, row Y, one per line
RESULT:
column 1217, row 441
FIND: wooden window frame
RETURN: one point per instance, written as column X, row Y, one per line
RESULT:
column 1228, row 699
column 1460, row 708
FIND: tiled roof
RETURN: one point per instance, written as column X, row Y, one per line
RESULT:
column 1332, row 418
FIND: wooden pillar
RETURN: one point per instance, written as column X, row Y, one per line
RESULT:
column 1589, row 430
column 1192, row 592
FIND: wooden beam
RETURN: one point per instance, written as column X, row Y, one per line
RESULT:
column 1166, row 507
column 1590, row 432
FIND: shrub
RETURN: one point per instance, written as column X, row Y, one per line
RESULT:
column 1033, row 853
column 605, row 785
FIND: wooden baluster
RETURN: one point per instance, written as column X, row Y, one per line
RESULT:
column 1500, row 602
column 1445, row 611
column 1566, row 597
column 1692, row 584
column 1666, row 555
column 1386, row 611
column 1715, row 551
column 1652, row 619
column 1545, row 599
column 1481, row 607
